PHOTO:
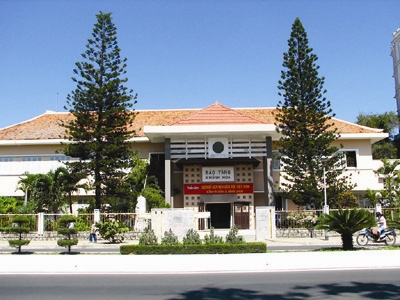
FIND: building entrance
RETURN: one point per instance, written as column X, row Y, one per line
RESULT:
column 220, row 214
column 241, row 215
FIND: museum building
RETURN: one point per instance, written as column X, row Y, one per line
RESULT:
column 215, row 159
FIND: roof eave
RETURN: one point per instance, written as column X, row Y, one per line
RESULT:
column 53, row 141
column 159, row 133
column 374, row 137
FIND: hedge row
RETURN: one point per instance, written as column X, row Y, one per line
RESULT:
column 257, row 247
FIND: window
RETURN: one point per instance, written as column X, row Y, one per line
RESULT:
column 276, row 162
column 350, row 158
column 6, row 158
column 83, row 201
column 31, row 158
column 59, row 158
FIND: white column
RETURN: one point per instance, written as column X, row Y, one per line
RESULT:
column 40, row 223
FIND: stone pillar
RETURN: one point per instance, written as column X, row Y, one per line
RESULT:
column 168, row 173
column 265, row 223
column 40, row 223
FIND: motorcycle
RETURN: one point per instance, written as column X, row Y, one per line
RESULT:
column 367, row 235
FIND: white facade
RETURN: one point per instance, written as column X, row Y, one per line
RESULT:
column 240, row 142
column 396, row 67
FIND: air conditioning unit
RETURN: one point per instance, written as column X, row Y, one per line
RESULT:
column 218, row 148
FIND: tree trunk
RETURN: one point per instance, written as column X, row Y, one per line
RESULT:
column 347, row 241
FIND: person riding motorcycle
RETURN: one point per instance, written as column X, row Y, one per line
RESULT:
column 381, row 222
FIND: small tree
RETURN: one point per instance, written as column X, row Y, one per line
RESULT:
column 192, row 238
column 26, row 184
column 68, row 182
column 112, row 231
column 233, row 238
column 169, row 238
column 212, row 239
column 68, row 232
column 390, row 195
column 387, row 121
column 148, row 237
column 371, row 196
column 344, row 200
column 142, row 183
column 18, row 228
column 346, row 222
column 48, row 193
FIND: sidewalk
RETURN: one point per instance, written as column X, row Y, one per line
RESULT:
column 198, row 263
column 85, row 244
column 169, row 264
column 52, row 245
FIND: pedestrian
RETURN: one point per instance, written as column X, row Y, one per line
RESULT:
column 93, row 235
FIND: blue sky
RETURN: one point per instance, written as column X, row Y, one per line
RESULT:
column 190, row 54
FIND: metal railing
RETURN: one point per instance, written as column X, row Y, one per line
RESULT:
column 283, row 219
column 83, row 223
column 308, row 218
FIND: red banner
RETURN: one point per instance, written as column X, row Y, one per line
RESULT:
column 218, row 188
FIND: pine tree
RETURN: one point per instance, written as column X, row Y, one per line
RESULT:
column 304, row 120
column 101, row 106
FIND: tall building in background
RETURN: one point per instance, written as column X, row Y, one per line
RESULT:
column 396, row 67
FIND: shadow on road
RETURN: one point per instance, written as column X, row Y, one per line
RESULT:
column 362, row 290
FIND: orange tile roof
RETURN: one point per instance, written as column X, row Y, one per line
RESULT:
column 218, row 114
column 46, row 126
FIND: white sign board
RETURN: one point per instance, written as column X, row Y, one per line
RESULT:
column 218, row 174
column 96, row 215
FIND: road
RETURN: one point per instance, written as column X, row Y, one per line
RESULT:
column 350, row 284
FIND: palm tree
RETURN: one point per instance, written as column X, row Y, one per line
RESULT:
column 68, row 182
column 346, row 222
column 26, row 184
column 390, row 194
column 47, row 193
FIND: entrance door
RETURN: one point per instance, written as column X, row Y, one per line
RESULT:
column 220, row 214
column 241, row 216
column 201, row 221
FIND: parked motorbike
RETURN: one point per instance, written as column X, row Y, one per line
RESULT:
column 367, row 235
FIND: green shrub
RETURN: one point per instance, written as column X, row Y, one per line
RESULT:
column 169, row 238
column 67, row 243
column 257, row 247
column 233, row 238
column 112, row 231
column 148, row 237
column 50, row 225
column 212, row 239
column 10, row 205
column 67, row 231
column 18, row 243
column 192, row 238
